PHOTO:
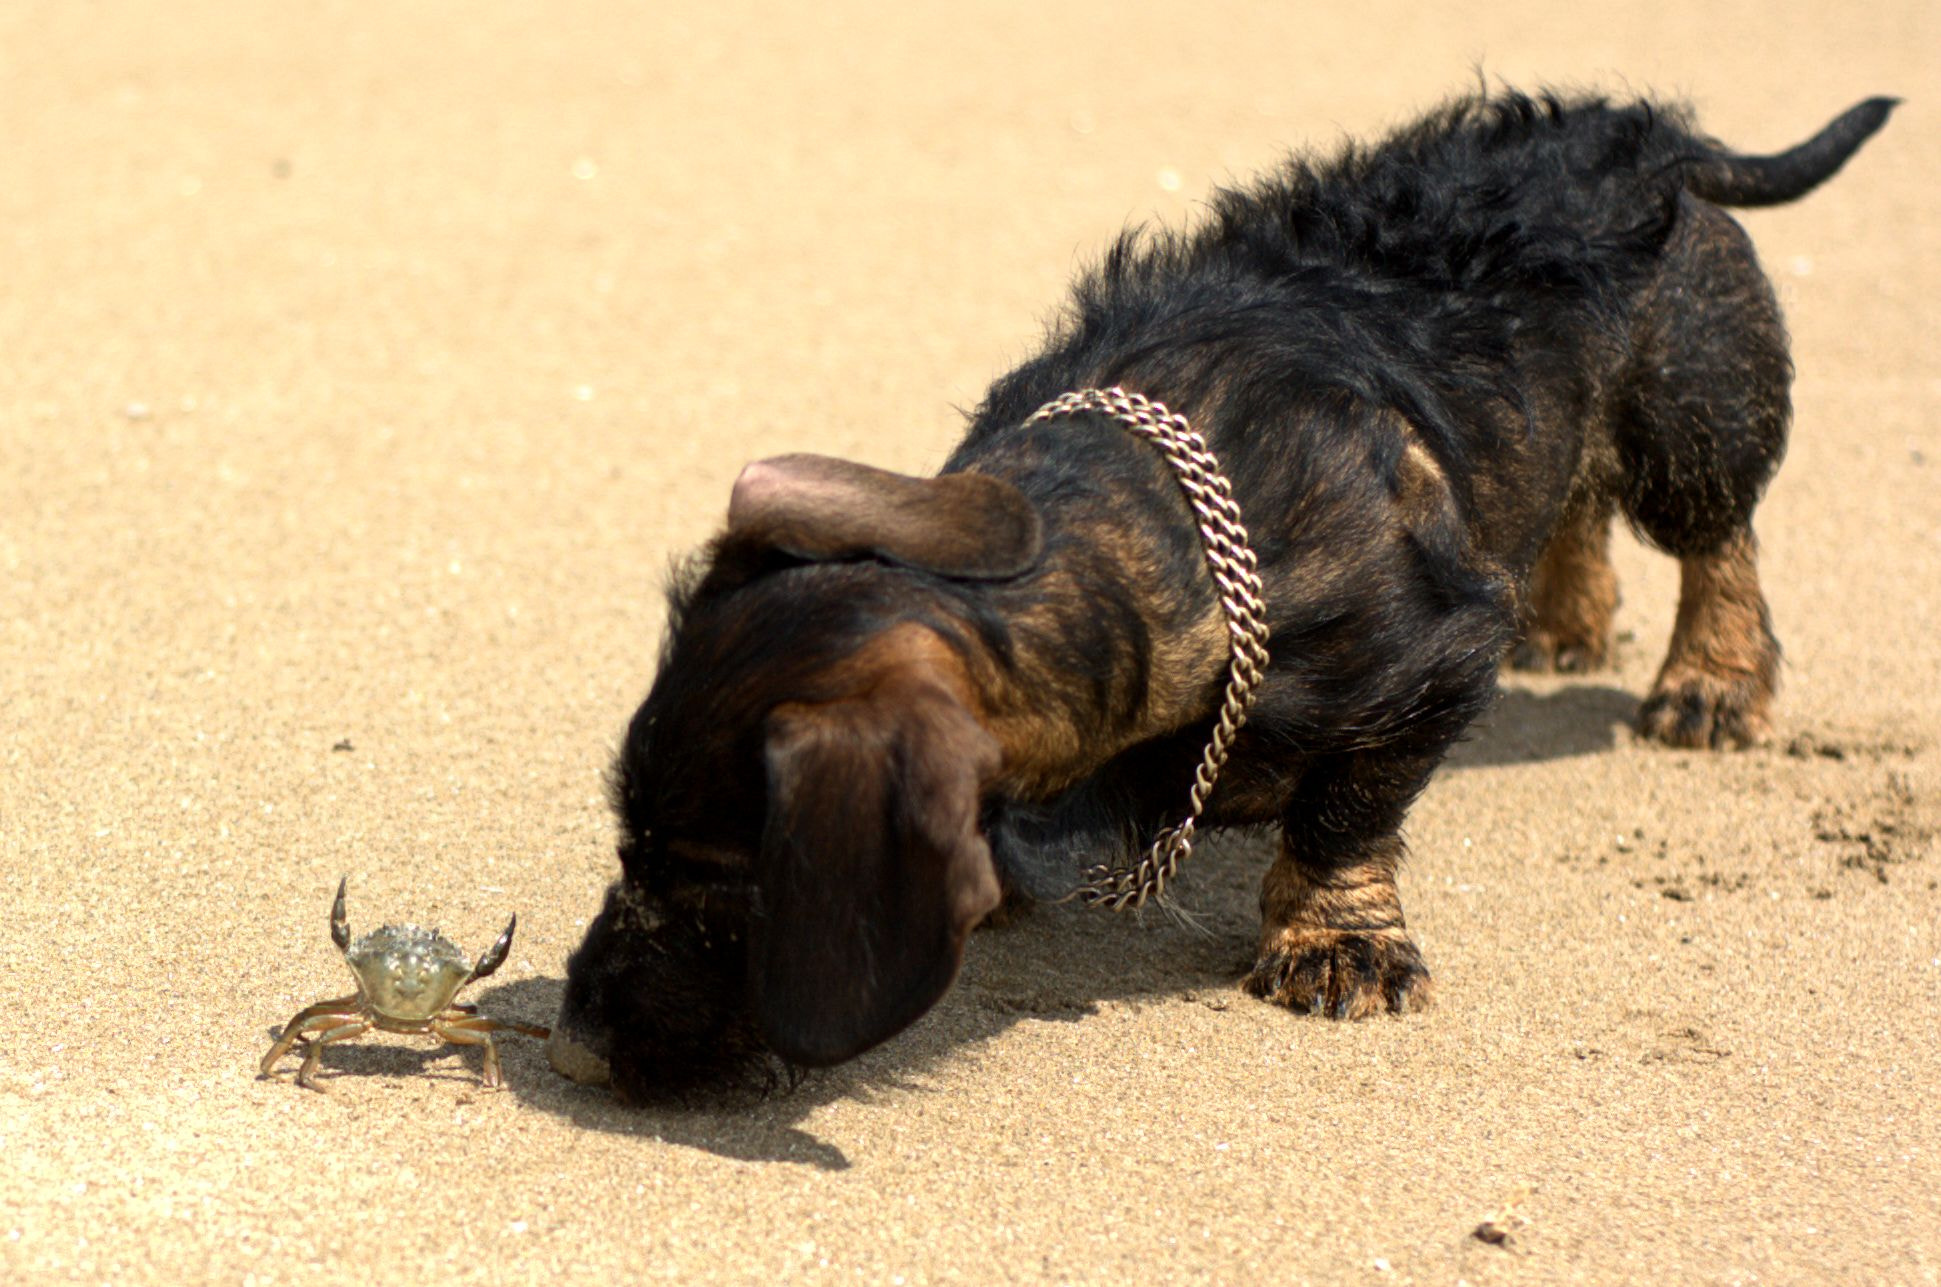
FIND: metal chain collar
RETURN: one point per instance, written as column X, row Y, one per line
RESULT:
column 1230, row 558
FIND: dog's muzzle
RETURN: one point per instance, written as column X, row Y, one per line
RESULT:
column 573, row 1060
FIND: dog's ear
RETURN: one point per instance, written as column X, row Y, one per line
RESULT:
column 872, row 871
column 970, row 526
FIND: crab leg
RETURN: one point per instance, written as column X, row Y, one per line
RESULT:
column 473, row 1036
column 319, row 1015
column 469, row 1016
column 463, row 1026
column 306, row 1074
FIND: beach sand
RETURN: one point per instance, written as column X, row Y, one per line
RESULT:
column 364, row 367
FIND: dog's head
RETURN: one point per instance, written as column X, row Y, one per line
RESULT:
column 799, row 795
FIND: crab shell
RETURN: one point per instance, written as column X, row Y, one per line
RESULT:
column 407, row 973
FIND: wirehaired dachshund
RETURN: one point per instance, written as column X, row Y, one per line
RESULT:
column 1433, row 369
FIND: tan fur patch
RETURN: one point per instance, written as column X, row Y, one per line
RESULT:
column 898, row 652
column 1573, row 596
column 1424, row 488
column 1040, row 749
column 1187, row 669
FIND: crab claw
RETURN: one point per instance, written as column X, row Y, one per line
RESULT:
column 339, row 924
column 495, row 955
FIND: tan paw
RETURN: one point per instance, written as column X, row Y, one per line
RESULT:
column 1695, row 709
column 1340, row 973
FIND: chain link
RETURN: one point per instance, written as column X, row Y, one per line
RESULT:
column 1230, row 558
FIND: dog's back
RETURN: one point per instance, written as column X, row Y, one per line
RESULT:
column 1421, row 271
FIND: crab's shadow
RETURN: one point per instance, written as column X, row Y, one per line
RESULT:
column 386, row 1058
column 1050, row 964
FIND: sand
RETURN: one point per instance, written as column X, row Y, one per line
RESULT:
column 362, row 368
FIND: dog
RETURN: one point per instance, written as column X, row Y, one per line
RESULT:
column 1432, row 371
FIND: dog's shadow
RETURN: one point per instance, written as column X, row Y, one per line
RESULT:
column 1051, row 963
column 1527, row 726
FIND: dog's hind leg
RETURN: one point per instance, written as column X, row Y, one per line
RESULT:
column 1333, row 941
column 1701, row 425
column 1722, row 669
column 1573, row 595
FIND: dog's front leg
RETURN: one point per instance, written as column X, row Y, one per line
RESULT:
column 1333, row 940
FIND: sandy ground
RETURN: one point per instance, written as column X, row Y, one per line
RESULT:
column 363, row 366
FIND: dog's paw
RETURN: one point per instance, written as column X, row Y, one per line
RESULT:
column 1695, row 709
column 1341, row 974
column 1543, row 652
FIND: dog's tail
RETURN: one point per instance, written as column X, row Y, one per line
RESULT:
column 1733, row 180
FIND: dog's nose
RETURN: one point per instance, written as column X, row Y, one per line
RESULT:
column 570, row 1058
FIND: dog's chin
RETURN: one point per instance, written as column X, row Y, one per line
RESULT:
column 650, row 1050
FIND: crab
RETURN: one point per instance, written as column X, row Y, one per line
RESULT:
column 407, row 977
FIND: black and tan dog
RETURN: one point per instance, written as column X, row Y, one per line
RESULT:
column 1433, row 370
